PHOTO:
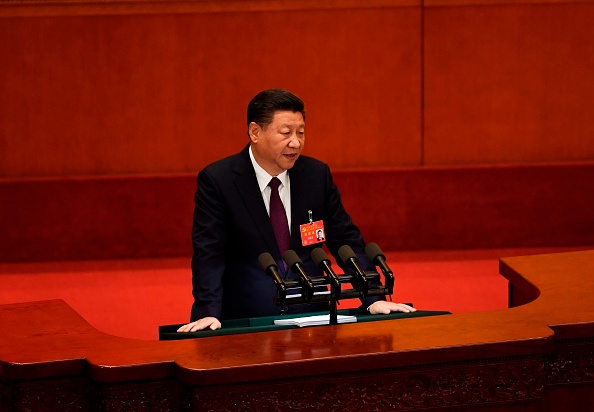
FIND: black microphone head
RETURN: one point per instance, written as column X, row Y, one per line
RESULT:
column 291, row 258
column 319, row 256
column 346, row 252
column 266, row 260
column 373, row 251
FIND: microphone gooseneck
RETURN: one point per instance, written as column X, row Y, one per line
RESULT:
column 350, row 260
column 376, row 255
column 269, row 266
column 378, row 258
column 323, row 262
column 296, row 264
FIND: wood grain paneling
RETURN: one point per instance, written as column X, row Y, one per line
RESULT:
column 167, row 93
column 511, row 83
column 131, row 86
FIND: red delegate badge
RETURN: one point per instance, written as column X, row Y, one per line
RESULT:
column 312, row 232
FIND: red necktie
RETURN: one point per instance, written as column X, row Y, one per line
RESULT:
column 278, row 217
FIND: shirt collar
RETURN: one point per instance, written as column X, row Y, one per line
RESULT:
column 263, row 176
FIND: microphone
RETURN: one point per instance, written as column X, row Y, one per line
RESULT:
column 269, row 265
column 350, row 259
column 322, row 261
column 296, row 265
column 376, row 255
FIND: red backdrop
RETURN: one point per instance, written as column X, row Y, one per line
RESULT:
column 134, row 87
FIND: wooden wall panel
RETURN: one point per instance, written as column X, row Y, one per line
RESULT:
column 166, row 93
column 136, row 87
column 508, row 83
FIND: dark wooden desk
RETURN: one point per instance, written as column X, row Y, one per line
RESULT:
column 266, row 323
column 533, row 357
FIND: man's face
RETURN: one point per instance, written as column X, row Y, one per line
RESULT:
column 277, row 146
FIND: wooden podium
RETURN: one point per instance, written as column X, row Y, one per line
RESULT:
column 537, row 355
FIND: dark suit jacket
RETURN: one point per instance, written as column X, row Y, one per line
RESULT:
column 231, row 229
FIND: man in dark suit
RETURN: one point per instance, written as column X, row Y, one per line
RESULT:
column 233, row 218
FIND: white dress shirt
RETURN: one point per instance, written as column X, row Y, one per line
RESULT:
column 284, row 190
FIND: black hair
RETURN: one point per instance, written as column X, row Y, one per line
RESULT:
column 262, row 107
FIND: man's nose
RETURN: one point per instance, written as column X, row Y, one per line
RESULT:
column 295, row 141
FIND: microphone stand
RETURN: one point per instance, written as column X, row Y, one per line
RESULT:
column 334, row 281
column 334, row 303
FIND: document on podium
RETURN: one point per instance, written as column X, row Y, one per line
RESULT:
column 314, row 320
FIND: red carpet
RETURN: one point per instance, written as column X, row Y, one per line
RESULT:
column 131, row 298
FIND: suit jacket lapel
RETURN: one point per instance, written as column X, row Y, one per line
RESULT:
column 299, row 201
column 247, row 186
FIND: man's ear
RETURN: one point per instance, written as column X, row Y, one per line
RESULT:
column 254, row 132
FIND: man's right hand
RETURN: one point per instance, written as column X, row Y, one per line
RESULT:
column 201, row 324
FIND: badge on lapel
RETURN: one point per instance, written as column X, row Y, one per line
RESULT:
column 312, row 232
